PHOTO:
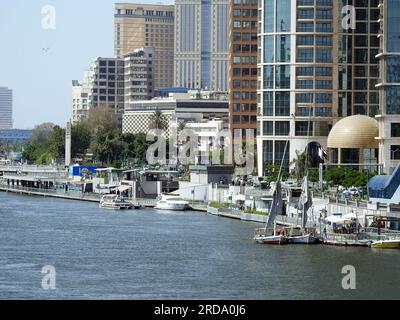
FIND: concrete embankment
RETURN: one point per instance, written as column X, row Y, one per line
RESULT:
column 236, row 214
column 52, row 194
column 45, row 194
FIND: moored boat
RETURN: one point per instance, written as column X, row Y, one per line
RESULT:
column 278, row 240
column 386, row 244
column 303, row 239
column 171, row 202
column 115, row 202
column 136, row 205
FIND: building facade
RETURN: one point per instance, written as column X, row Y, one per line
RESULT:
column 80, row 97
column 243, row 65
column 202, row 44
column 139, row 76
column 316, row 66
column 190, row 107
column 6, row 108
column 108, row 84
column 389, row 85
column 143, row 25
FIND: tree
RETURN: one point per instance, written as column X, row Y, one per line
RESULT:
column 56, row 143
column 41, row 133
column 301, row 163
column 101, row 119
column 45, row 145
column 81, row 139
column 158, row 121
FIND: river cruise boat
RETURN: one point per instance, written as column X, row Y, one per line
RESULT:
column 115, row 202
column 171, row 202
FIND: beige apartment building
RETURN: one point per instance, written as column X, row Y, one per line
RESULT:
column 142, row 25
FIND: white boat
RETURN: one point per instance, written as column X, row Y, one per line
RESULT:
column 386, row 244
column 136, row 205
column 171, row 202
column 303, row 239
column 268, row 236
column 301, row 236
column 116, row 202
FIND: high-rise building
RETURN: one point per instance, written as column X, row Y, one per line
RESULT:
column 108, row 83
column 202, row 44
column 316, row 66
column 80, row 97
column 6, row 106
column 143, row 25
column 115, row 83
column 139, row 76
column 243, row 65
column 389, row 85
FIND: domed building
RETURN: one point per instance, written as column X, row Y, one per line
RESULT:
column 352, row 140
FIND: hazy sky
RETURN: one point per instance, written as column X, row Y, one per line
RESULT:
column 41, row 78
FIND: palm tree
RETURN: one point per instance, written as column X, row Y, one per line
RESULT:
column 158, row 121
column 301, row 163
column 181, row 126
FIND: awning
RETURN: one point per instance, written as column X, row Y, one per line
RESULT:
column 240, row 197
column 338, row 219
column 124, row 188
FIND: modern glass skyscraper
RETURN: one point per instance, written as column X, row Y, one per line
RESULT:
column 316, row 66
column 6, row 104
column 202, row 44
column 389, row 84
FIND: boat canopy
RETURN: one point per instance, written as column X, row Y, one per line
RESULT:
column 338, row 219
column 124, row 188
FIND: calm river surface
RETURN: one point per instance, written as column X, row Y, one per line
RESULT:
column 147, row 254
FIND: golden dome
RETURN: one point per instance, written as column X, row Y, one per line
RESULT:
column 355, row 132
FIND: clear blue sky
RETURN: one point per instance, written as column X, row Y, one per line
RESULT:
column 42, row 80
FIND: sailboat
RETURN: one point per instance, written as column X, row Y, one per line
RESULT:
column 269, row 235
column 305, row 237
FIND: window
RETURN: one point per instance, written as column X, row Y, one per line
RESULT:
column 395, row 152
column 304, row 128
column 282, row 104
column 395, row 130
column 268, row 128
column 282, row 128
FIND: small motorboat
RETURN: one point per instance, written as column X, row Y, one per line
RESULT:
column 136, row 205
column 386, row 244
column 171, row 202
column 116, row 202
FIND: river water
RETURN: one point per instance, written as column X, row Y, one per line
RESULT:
column 148, row 254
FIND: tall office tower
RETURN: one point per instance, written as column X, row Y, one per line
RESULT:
column 243, row 65
column 316, row 65
column 139, row 76
column 202, row 44
column 143, row 25
column 6, row 106
column 389, row 85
